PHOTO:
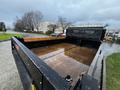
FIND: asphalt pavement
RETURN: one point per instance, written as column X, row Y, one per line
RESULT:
column 9, row 77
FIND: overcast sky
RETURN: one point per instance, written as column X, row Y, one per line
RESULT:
column 79, row 11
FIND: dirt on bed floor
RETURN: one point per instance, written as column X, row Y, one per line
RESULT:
column 66, row 59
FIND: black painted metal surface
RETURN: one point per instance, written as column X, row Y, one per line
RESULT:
column 89, row 83
column 86, row 33
column 43, row 76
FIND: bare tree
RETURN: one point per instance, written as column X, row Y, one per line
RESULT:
column 18, row 25
column 63, row 23
column 52, row 27
column 30, row 21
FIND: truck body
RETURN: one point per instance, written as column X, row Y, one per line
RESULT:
column 60, row 63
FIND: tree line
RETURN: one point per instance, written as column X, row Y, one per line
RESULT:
column 30, row 21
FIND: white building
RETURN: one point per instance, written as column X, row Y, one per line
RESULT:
column 44, row 27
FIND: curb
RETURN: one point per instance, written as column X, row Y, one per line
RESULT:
column 5, row 40
column 104, row 74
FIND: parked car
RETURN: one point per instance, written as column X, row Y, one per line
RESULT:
column 63, row 34
column 56, row 34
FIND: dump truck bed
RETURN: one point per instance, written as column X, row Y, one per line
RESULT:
column 61, row 63
column 66, row 58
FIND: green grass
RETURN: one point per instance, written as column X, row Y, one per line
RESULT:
column 113, row 72
column 5, row 36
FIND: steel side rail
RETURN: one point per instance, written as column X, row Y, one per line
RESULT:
column 29, row 58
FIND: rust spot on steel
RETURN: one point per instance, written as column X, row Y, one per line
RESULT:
column 28, row 39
